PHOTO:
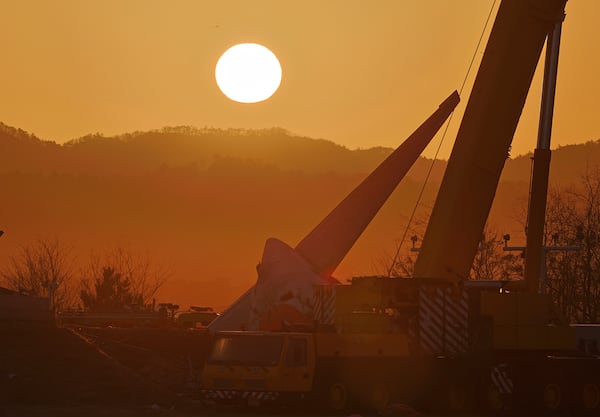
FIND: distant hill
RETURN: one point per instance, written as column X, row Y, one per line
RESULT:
column 176, row 147
column 568, row 163
column 205, row 200
column 143, row 152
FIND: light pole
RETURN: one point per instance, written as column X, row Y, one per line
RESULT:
column 545, row 249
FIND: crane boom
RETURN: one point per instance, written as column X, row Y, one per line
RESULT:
column 484, row 137
column 541, row 169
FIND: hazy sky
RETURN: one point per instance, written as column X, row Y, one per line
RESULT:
column 359, row 73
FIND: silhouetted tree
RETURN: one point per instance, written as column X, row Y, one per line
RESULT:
column 121, row 279
column 492, row 262
column 43, row 268
column 402, row 262
column 573, row 276
column 111, row 292
column 403, row 266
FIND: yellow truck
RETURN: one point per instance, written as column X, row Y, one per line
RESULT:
column 253, row 368
column 488, row 346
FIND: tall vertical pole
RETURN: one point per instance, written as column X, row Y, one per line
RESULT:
column 535, row 259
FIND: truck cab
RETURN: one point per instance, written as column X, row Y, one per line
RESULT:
column 251, row 368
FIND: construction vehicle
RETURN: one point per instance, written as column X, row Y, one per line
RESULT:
column 436, row 341
column 196, row 316
column 423, row 342
column 114, row 319
column 254, row 367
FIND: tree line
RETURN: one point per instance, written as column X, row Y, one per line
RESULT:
column 118, row 280
column 571, row 276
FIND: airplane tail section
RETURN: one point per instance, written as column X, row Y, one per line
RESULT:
column 284, row 289
column 236, row 316
column 329, row 242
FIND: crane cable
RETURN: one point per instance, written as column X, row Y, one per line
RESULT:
column 435, row 157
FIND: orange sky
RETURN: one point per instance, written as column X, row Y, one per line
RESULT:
column 359, row 73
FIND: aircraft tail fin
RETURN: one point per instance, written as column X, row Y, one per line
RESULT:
column 328, row 243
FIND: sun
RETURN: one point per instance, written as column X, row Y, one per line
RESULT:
column 248, row 73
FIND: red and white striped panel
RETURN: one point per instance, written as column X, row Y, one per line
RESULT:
column 443, row 320
column 260, row 395
column 501, row 379
column 324, row 306
column 232, row 395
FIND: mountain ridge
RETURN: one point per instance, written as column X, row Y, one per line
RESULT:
column 185, row 146
column 206, row 201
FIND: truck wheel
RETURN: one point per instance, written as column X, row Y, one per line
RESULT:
column 456, row 399
column 379, row 398
column 551, row 398
column 499, row 391
column 496, row 402
column 449, row 398
column 493, row 400
column 589, row 401
column 337, row 398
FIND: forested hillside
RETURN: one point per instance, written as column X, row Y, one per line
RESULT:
column 204, row 200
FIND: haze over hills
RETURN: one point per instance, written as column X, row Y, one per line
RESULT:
column 143, row 152
column 205, row 200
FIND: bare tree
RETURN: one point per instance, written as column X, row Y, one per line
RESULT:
column 120, row 278
column 399, row 264
column 573, row 277
column 402, row 262
column 43, row 268
column 492, row 262
column 111, row 292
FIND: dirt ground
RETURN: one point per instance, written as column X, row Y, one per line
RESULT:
column 47, row 370
column 150, row 411
column 51, row 371
column 96, row 411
